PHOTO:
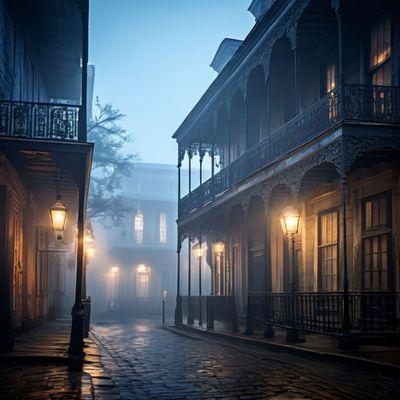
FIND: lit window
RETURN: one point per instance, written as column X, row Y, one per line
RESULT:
column 142, row 281
column 331, row 78
column 330, row 89
column 139, row 227
column 163, row 228
column 380, row 51
column 328, row 251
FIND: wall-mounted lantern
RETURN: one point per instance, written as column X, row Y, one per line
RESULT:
column 58, row 217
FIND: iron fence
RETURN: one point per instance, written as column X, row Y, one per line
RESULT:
column 370, row 312
column 213, row 308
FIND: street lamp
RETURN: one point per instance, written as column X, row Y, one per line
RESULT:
column 58, row 218
column 199, row 251
column 90, row 251
column 290, row 221
column 218, row 248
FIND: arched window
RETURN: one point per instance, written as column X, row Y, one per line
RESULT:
column 139, row 227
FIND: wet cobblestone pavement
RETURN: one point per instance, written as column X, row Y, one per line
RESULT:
column 147, row 362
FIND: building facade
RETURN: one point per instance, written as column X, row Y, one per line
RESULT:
column 301, row 221
column 142, row 250
column 44, row 160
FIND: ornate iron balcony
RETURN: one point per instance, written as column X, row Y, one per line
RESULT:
column 39, row 120
column 359, row 103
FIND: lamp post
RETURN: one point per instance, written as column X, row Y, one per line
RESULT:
column 115, row 276
column 218, row 249
column 199, row 252
column 290, row 221
column 164, row 298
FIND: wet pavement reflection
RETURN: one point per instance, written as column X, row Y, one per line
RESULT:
column 147, row 362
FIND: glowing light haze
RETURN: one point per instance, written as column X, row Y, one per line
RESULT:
column 152, row 61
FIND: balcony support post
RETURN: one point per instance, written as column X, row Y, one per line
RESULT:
column 178, row 309
column 268, row 330
column 249, row 322
column 200, row 288
column 292, row 333
column 202, row 153
column 346, row 324
column 76, row 344
column 190, row 314
column 82, row 134
column 346, row 341
column 190, row 154
column 296, row 80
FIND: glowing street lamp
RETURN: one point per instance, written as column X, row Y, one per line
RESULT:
column 199, row 251
column 218, row 248
column 58, row 217
column 114, row 270
column 290, row 220
column 89, row 241
column 90, row 251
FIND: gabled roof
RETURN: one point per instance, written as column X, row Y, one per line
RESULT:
column 225, row 51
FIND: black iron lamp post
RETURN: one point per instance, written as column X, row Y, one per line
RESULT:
column 199, row 252
column 290, row 221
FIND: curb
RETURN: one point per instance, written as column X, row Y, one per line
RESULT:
column 279, row 347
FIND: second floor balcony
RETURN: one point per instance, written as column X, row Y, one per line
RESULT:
column 42, row 121
column 348, row 104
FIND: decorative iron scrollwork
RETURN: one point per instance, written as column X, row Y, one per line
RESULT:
column 39, row 120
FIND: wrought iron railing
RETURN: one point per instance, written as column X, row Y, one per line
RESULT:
column 360, row 103
column 213, row 308
column 39, row 120
column 370, row 312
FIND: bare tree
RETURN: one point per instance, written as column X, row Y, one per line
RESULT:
column 110, row 164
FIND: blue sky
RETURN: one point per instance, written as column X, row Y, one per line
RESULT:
column 152, row 61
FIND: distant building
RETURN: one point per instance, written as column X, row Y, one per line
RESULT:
column 142, row 250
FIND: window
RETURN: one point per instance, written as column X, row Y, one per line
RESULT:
column 380, row 51
column 376, row 241
column 330, row 78
column 142, row 285
column 328, row 250
column 139, row 227
column 330, row 86
column 163, row 228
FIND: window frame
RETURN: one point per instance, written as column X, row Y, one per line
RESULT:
column 319, row 246
column 378, row 231
column 138, row 232
column 163, row 238
column 372, row 70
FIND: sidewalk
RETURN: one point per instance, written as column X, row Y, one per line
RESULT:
column 325, row 347
column 38, row 368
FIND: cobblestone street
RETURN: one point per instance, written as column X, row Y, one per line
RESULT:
column 147, row 362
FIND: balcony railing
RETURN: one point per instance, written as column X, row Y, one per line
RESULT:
column 370, row 312
column 359, row 103
column 39, row 120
